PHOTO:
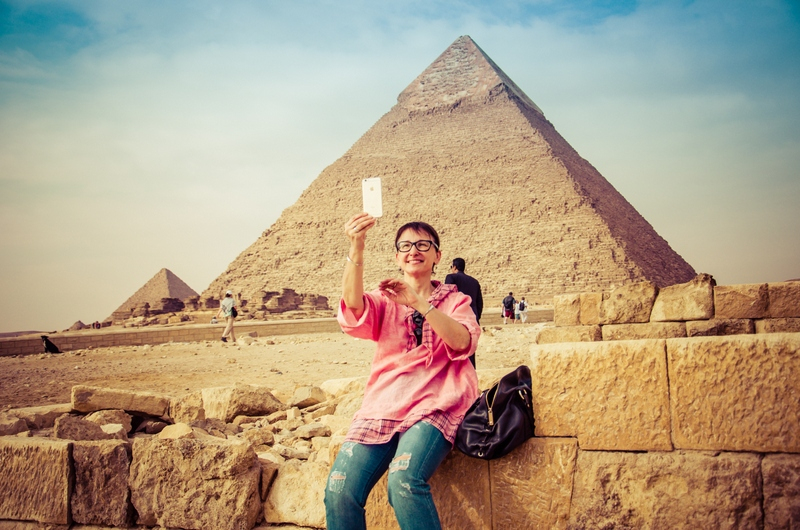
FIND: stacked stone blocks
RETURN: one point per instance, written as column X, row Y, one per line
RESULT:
column 693, row 309
column 683, row 432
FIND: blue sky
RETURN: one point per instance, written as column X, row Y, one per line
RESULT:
column 141, row 135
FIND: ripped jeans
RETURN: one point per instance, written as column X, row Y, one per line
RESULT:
column 410, row 457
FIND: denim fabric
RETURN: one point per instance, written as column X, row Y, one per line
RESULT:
column 411, row 458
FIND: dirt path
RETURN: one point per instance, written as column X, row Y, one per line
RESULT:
column 281, row 363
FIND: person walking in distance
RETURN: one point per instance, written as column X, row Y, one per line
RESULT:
column 469, row 286
column 227, row 308
column 508, row 308
column 420, row 385
column 522, row 307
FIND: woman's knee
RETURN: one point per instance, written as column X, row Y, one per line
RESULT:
column 404, row 479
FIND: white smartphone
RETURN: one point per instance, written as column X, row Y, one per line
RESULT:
column 371, row 190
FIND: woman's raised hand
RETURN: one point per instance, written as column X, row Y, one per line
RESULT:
column 400, row 292
column 356, row 227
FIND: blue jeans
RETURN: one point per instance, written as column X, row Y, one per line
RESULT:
column 410, row 457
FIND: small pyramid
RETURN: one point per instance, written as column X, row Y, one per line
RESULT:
column 467, row 151
column 163, row 286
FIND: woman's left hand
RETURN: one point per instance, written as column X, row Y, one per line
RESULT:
column 400, row 292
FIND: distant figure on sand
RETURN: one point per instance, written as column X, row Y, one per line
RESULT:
column 469, row 286
column 522, row 309
column 227, row 309
column 49, row 347
column 420, row 385
column 508, row 308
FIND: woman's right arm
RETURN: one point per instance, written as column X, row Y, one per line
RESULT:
column 353, row 278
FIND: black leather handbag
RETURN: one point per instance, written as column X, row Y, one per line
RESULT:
column 500, row 419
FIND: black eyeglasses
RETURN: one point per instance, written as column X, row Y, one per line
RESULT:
column 418, row 319
column 422, row 245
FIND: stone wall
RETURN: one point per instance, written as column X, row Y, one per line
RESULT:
column 694, row 432
column 107, row 337
column 694, row 309
column 697, row 431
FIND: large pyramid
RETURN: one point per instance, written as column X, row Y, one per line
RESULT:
column 162, row 292
column 467, row 151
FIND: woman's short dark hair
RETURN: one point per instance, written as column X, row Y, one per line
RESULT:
column 418, row 226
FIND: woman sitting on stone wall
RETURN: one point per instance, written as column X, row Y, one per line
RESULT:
column 421, row 382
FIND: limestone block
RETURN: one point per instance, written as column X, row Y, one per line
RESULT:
column 105, row 417
column 36, row 477
column 336, row 423
column 151, row 426
column 736, row 393
column 297, row 453
column 243, row 421
column 269, row 470
column 628, row 304
column 195, row 484
column 461, row 493
column 781, row 476
column 778, row 325
column 90, row 399
column 225, row 403
column 69, row 427
column 720, row 326
column 324, row 410
column 349, row 405
column 741, row 301
column 666, row 490
column 188, row 408
column 784, row 299
column 348, row 385
column 693, row 300
column 101, row 495
column 567, row 309
column 533, row 483
column 306, row 396
column 116, row 430
column 289, row 424
column 297, row 495
column 42, row 417
column 488, row 377
column 590, row 308
column 569, row 334
column 258, row 436
column 648, row 330
column 11, row 425
column 310, row 430
column 176, row 431
column 320, row 443
column 610, row 395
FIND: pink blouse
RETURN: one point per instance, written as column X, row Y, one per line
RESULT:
column 409, row 383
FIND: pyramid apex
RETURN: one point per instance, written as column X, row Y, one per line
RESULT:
column 463, row 72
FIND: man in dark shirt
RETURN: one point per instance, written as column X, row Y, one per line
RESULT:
column 468, row 285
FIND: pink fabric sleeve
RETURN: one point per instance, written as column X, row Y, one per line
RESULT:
column 366, row 327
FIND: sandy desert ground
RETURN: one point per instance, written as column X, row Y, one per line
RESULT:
column 280, row 363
